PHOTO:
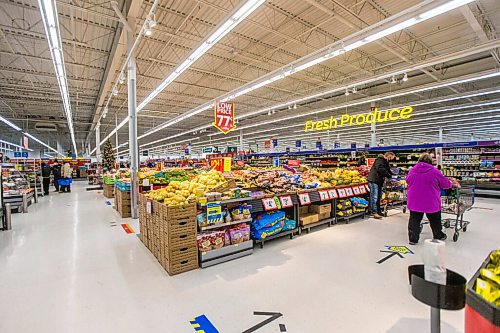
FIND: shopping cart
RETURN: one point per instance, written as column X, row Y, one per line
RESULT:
column 456, row 202
column 395, row 194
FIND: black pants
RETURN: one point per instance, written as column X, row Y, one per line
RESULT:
column 414, row 225
column 46, row 185
column 56, row 183
column 65, row 188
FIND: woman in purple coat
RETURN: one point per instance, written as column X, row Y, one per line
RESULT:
column 425, row 183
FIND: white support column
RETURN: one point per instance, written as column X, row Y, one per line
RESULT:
column 242, row 146
column 373, row 129
column 116, row 135
column 439, row 151
column 98, row 142
column 132, row 123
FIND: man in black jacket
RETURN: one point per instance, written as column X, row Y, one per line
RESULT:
column 45, row 177
column 379, row 171
column 56, row 171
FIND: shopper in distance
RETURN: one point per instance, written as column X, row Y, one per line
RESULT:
column 46, row 171
column 425, row 183
column 378, row 173
column 56, row 171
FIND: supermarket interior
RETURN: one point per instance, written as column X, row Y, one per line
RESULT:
column 332, row 164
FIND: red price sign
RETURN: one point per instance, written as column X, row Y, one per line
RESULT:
column 370, row 161
column 286, row 201
column 294, row 163
column 323, row 195
column 304, row 199
column 217, row 164
column 349, row 192
column 362, row 189
column 269, row 204
column 356, row 191
column 224, row 116
column 333, row 194
column 342, row 193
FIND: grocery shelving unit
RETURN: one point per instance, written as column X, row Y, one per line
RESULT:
column 227, row 252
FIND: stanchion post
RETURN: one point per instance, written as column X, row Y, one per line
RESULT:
column 435, row 320
column 25, row 203
column 8, row 217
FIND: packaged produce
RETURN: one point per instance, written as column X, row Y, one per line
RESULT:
column 289, row 225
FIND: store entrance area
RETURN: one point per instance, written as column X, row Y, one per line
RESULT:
column 74, row 268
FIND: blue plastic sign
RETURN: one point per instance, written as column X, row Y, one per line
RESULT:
column 186, row 151
column 232, row 149
column 276, row 162
column 367, row 145
column 319, row 145
column 298, row 143
column 336, row 145
column 145, row 153
column 275, row 142
column 17, row 154
column 353, row 145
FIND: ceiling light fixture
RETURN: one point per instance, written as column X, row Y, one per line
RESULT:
column 464, row 79
column 393, row 79
column 295, row 106
column 48, row 10
column 41, row 142
column 15, row 145
column 121, row 79
column 17, row 128
column 115, row 91
column 420, row 12
column 354, row 90
column 220, row 31
column 347, row 92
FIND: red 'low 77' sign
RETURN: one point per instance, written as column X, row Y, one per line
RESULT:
column 224, row 116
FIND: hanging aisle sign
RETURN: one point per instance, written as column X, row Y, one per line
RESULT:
column 224, row 116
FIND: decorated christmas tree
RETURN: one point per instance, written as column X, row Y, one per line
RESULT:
column 108, row 156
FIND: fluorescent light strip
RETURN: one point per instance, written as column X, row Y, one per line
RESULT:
column 15, row 145
column 329, row 52
column 434, row 101
column 364, row 101
column 42, row 143
column 48, row 11
column 337, row 131
column 7, row 122
column 442, row 84
column 232, row 21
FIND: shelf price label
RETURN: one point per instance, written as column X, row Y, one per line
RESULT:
column 286, row 201
column 269, row 204
column 342, row 192
column 323, row 195
column 348, row 192
column 304, row 199
column 356, row 191
column 149, row 207
column 362, row 189
column 332, row 193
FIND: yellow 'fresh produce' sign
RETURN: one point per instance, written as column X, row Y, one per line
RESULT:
column 360, row 119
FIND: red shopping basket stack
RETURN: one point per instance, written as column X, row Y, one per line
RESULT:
column 481, row 316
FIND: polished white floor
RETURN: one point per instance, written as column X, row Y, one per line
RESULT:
column 65, row 267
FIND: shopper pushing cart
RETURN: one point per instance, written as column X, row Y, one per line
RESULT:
column 425, row 183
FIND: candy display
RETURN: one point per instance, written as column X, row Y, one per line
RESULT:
column 488, row 283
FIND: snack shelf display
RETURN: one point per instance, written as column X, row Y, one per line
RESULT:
column 223, row 231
